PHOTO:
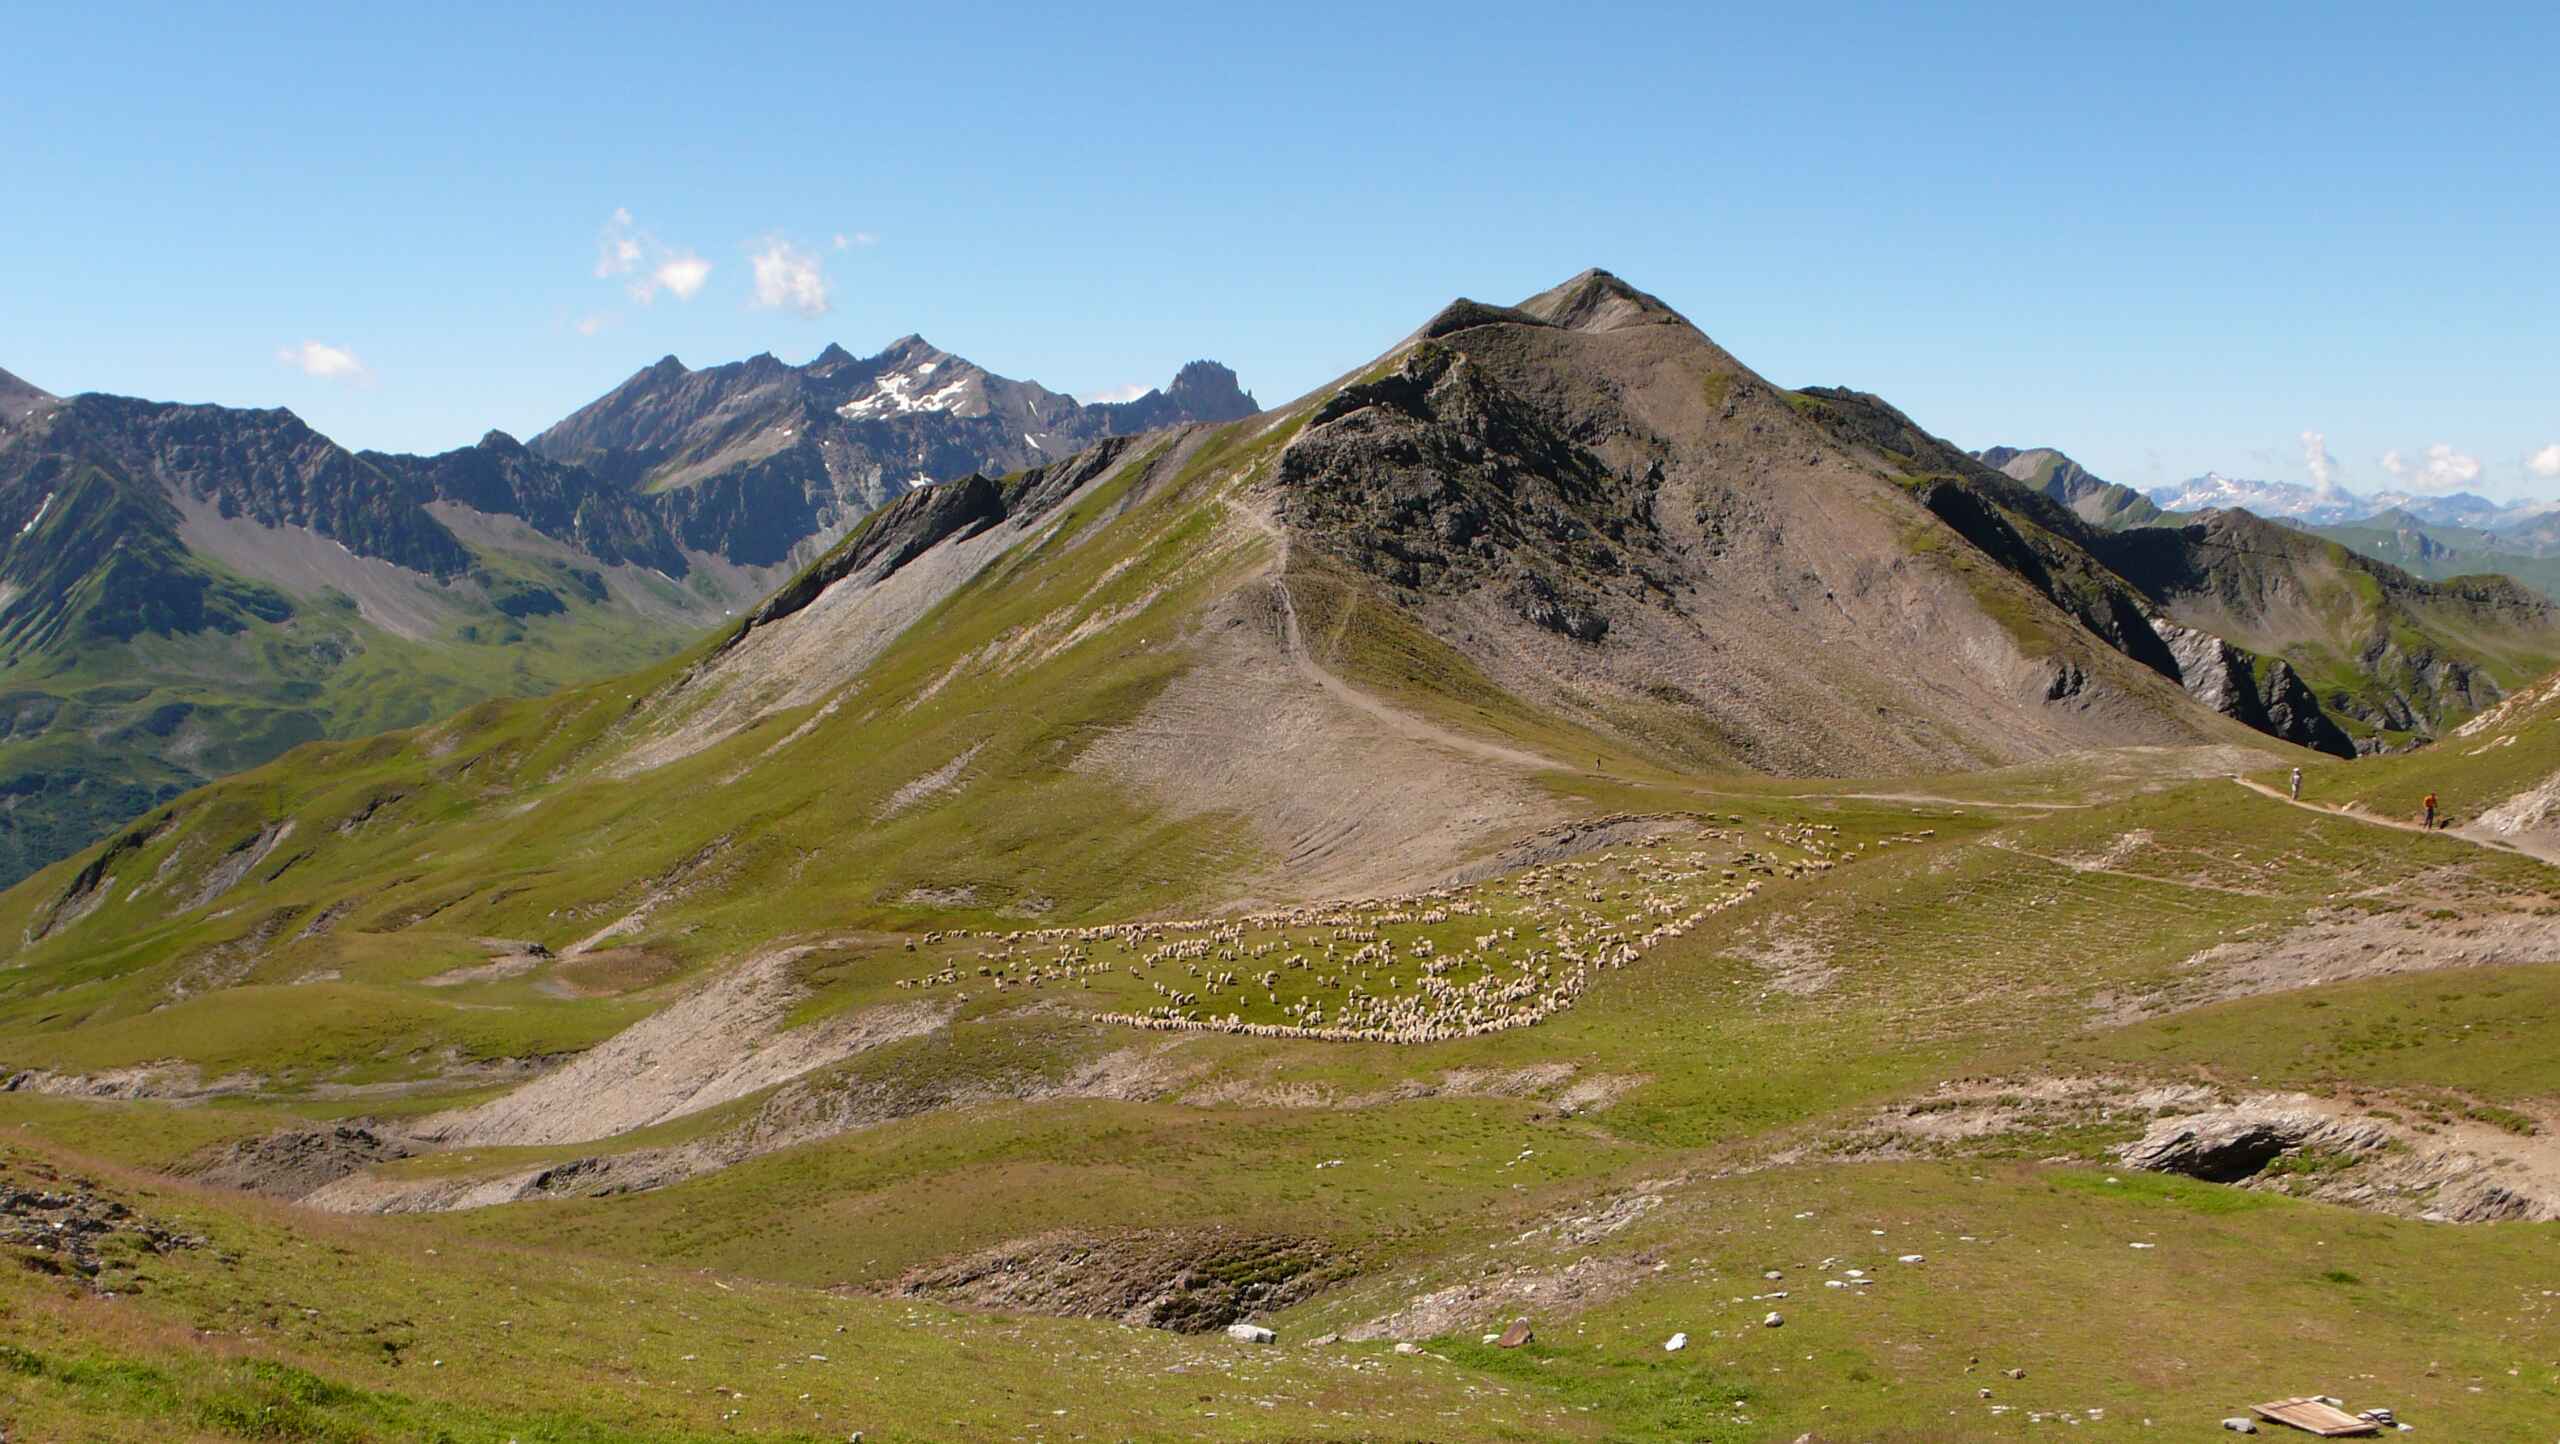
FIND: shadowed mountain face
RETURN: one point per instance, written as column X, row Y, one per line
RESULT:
column 189, row 590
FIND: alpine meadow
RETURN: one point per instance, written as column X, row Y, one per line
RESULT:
column 1536, row 883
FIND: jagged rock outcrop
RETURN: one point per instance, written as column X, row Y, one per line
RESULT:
column 2266, row 695
column 1435, row 477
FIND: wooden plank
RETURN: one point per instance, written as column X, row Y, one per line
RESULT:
column 2314, row 1417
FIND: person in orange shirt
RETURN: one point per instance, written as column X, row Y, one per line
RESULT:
column 2431, row 811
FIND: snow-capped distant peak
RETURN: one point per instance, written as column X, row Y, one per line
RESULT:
column 2215, row 492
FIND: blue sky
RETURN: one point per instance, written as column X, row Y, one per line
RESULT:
column 2166, row 239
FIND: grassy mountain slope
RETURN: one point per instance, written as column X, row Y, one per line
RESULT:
column 1766, row 1092
column 1160, row 674
column 1308, row 869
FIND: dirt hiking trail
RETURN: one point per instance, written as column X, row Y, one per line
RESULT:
column 2355, row 813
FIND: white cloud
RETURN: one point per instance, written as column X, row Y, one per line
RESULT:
column 788, row 277
column 594, row 323
column 682, row 275
column 1130, row 392
column 628, row 251
column 855, row 238
column 2441, row 469
column 2316, row 459
column 2546, row 462
column 319, row 358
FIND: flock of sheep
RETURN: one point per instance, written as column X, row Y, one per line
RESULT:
column 1452, row 962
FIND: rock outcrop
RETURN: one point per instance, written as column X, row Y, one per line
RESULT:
column 2237, row 1143
column 2268, row 696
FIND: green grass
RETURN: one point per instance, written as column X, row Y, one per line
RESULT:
column 2471, row 1030
column 1835, row 954
column 301, row 1327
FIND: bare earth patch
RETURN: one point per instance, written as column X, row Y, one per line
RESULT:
column 723, row 1042
column 1554, row 1293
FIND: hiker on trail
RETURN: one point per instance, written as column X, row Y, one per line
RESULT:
column 2297, row 784
column 2430, row 805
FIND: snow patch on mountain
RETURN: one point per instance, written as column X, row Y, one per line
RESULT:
column 894, row 395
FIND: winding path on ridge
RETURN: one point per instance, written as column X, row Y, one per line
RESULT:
column 2471, row 835
column 1301, row 657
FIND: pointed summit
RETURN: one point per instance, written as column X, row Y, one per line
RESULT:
column 909, row 349
column 1599, row 301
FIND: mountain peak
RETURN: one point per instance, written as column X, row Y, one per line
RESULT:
column 20, row 399
column 1209, row 386
column 1597, row 300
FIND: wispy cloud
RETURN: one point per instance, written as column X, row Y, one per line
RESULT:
column 2442, row 469
column 848, row 239
column 2317, row 461
column 618, row 250
column 1115, row 394
column 789, row 278
column 2545, row 463
column 319, row 358
column 594, row 323
column 646, row 265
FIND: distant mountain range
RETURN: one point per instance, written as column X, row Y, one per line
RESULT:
column 2532, row 523
column 2333, row 505
column 189, row 590
column 754, row 459
column 2435, row 538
